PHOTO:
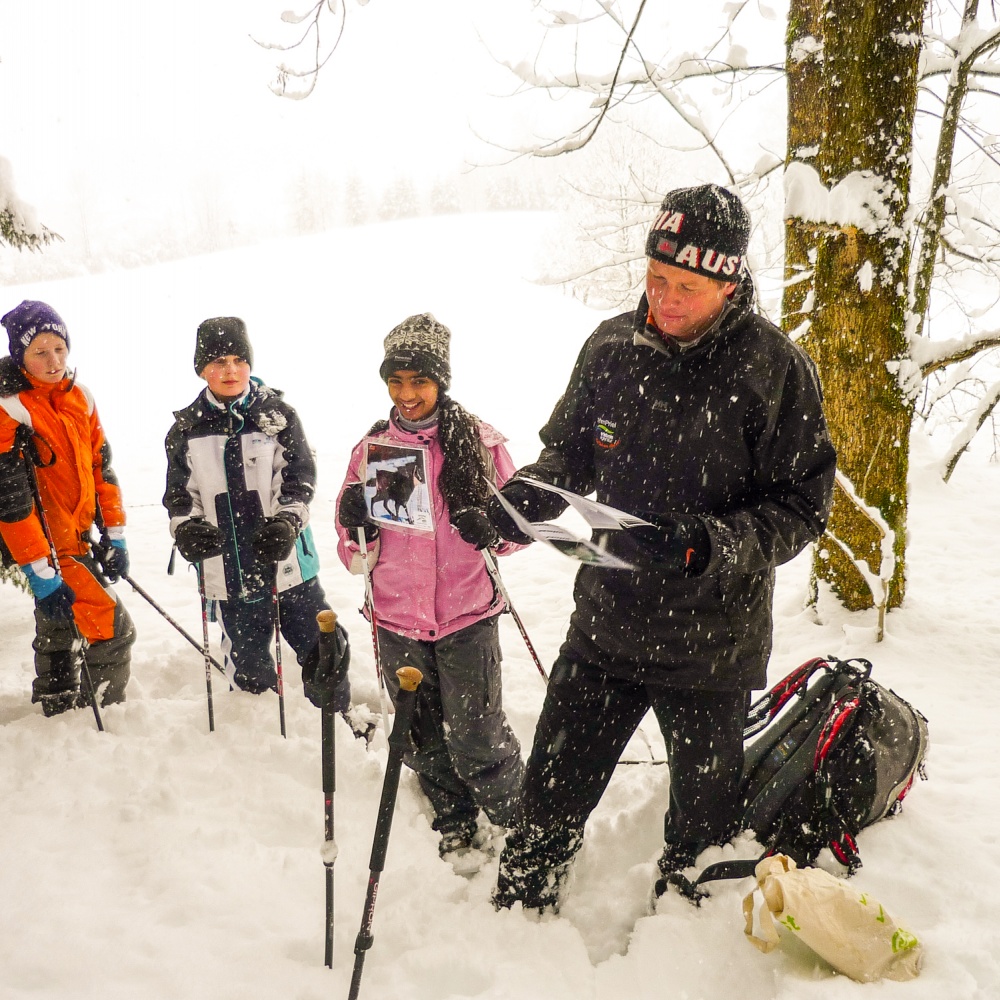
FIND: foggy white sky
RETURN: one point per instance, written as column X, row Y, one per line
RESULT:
column 128, row 98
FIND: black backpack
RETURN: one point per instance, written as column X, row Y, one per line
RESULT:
column 829, row 751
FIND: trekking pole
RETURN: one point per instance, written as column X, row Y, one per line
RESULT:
column 370, row 602
column 277, row 652
column 327, row 621
column 163, row 614
column 208, row 658
column 494, row 572
column 409, row 680
column 79, row 643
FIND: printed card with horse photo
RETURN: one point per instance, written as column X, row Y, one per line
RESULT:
column 396, row 485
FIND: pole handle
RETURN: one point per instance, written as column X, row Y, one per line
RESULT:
column 409, row 678
column 327, row 621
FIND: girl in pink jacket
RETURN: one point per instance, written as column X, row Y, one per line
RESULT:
column 420, row 503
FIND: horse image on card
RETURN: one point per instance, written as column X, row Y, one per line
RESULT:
column 396, row 485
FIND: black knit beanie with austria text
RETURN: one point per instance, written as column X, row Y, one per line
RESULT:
column 704, row 229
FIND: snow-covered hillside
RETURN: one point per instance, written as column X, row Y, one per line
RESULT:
column 159, row 861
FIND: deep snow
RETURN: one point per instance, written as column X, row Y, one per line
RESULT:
column 159, row 861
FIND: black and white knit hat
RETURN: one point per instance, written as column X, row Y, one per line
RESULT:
column 219, row 337
column 705, row 229
column 419, row 344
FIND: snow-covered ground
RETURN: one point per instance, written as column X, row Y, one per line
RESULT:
column 160, row 861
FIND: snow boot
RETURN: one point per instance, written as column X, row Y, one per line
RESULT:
column 456, row 840
column 466, row 855
column 362, row 720
column 59, row 702
column 534, row 868
column 253, row 684
column 671, row 864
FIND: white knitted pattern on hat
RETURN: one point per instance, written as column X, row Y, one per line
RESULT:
column 420, row 333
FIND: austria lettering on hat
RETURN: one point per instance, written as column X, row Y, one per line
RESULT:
column 705, row 229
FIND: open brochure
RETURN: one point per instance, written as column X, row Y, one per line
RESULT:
column 564, row 541
column 597, row 515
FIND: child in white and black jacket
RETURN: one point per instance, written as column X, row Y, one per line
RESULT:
column 240, row 476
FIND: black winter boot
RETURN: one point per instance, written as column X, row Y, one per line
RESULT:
column 671, row 864
column 57, row 684
column 253, row 684
column 457, row 838
column 59, row 702
column 534, row 867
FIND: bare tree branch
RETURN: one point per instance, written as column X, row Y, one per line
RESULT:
column 310, row 74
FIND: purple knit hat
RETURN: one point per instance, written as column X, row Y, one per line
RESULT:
column 26, row 321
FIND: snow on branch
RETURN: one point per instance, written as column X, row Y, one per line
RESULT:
column 631, row 77
column 684, row 68
column 961, row 52
column 19, row 226
column 964, row 438
column 312, row 38
column 861, row 199
column 877, row 583
column 933, row 355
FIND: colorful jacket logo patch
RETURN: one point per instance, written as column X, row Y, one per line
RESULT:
column 606, row 434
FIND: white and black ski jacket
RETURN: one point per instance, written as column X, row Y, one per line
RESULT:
column 731, row 430
column 235, row 466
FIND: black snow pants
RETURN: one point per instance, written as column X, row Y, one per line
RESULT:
column 586, row 721
column 248, row 637
column 57, row 661
column 464, row 752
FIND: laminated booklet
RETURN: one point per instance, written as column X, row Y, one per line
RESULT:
column 396, row 491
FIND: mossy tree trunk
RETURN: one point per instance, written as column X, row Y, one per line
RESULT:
column 851, row 106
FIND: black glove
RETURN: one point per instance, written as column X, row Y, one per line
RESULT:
column 475, row 528
column 353, row 511
column 532, row 503
column 275, row 538
column 325, row 666
column 678, row 544
column 59, row 604
column 197, row 539
column 112, row 557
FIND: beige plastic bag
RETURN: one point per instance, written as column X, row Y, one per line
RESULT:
column 851, row 930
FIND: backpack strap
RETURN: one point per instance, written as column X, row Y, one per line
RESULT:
column 835, row 726
column 765, row 708
column 695, row 890
column 845, row 850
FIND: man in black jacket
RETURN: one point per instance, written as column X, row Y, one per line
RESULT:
column 700, row 416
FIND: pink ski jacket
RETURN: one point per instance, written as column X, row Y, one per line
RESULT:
column 426, row 585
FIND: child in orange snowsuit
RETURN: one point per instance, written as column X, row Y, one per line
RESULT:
column 55, row 480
